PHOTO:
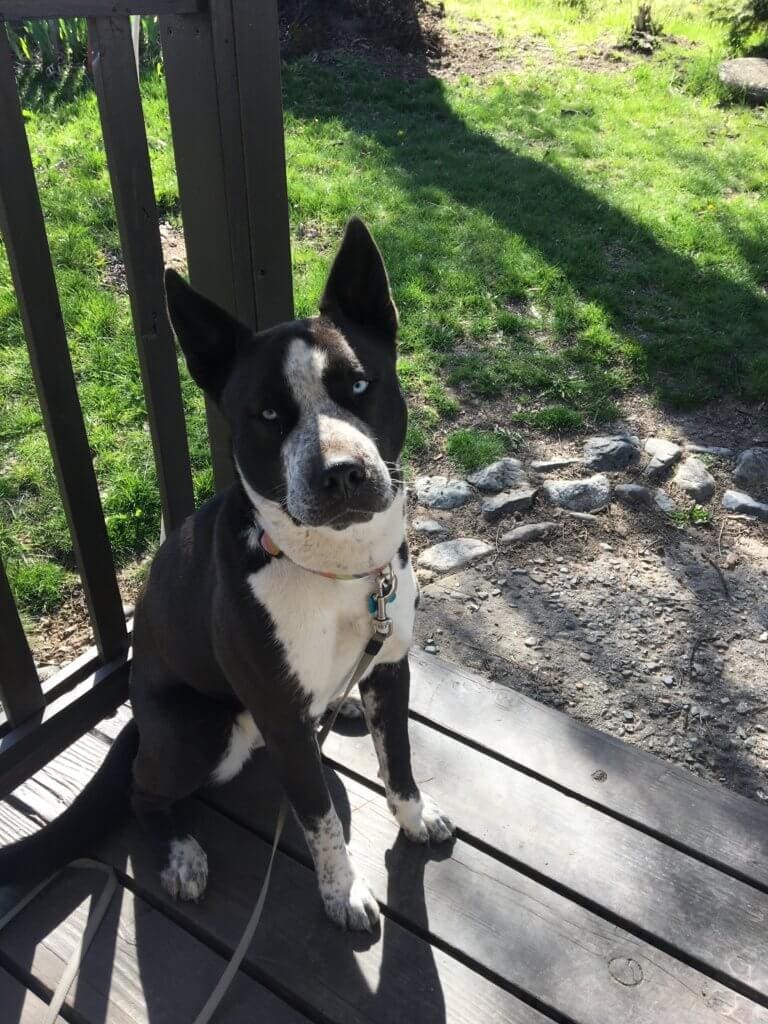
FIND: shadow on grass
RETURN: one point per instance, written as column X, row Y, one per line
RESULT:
column 692, row 332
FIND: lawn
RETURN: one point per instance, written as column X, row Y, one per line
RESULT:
column 558, row 237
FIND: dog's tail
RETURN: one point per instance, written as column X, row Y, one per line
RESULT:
column 99, row 808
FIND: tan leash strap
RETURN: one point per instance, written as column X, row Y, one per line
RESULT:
column 95, row 918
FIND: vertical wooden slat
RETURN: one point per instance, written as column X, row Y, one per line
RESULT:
column 20, row 690
column 125, row 141
column 257, row 37
column 219, row 260
column 22, row 224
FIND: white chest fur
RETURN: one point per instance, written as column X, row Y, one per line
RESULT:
column 323, row 624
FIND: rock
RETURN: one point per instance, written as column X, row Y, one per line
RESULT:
column 519, row 500
column 430, row 649
column 46, row 672
column 633, row 494
column 611, row 453
column 747, row 76
column 430, row 527
column 529, row 532
column 499, row 476
column 737, row 501
column 763, row 638
column 552, row 465
column 664, row 502
column 751, row 470
column 440, row 492
column 663, row 455
column 703, row 449
column 693, row 478
column 453, row 554
column 583, row 517
column 579, row 495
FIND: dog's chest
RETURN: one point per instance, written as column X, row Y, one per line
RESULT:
column 323, row 625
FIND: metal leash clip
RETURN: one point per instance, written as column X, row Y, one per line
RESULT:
column 386, row 589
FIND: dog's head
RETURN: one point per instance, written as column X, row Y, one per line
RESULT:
column 314, row 406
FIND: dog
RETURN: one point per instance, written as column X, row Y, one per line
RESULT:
column 256, row 610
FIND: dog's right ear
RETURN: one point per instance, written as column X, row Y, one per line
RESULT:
column 209, row 337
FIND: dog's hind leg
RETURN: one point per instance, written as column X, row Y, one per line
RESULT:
column 183, row 737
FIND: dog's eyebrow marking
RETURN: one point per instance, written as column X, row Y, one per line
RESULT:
column 304, row 367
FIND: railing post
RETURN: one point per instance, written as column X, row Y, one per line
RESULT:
column 20, row 690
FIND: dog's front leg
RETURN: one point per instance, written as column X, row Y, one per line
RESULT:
column 385, row 702
column 346, row 897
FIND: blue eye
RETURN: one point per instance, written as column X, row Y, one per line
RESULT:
column 360, row 387
column 268, row 414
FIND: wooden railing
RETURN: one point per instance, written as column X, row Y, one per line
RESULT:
column 222, row 65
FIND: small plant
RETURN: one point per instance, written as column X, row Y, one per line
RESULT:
column 644, row 33
column 472, row 449
column 38, row 585
column 695, row 515
column 553, row 418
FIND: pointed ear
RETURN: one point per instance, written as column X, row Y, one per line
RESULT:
column 208, row 335
column 358, row 287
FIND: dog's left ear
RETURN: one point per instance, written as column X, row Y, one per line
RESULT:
column 357, row 289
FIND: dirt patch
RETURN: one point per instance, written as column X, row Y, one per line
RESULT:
column 174, row 255
column 468, row 49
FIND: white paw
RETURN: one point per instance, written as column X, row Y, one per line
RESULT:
column 353, row 907
column 422, row 820
column 185, row 876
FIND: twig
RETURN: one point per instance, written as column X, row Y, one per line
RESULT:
column 719, row 572
column 720, row 537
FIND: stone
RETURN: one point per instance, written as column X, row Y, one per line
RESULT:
column 611, row 453
column 529, row 532
column 579, row 495
column 747, row 76
column 737, row 501
column 663, row 455
column 664, row 502
column 430, row 527
column 46, row 672
column 713, row 450
column 552, row 465
column 430, row 649
column 751, row 470
column 499, row 476
column 583, row 517
column 449, row 555
column 693, row 477
column 633, row 494
column 441, row 492
column 507, row 502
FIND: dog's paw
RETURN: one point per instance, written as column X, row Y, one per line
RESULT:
column 185, row 875
column 352, row 908
column 422, row 820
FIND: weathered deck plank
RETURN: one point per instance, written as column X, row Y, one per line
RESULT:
column 345, row 978
column 141, row 968
column 507, row 924
column 19, row 1004
column 719, row 826
column 692, row 910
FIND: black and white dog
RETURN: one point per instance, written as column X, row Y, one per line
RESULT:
column 256, row 610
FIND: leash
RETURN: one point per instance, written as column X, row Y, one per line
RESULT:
column 94, row 921
column 384, row 595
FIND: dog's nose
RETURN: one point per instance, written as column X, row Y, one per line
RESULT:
column 343, row 476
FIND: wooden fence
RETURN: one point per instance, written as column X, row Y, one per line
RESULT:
column 222, row 64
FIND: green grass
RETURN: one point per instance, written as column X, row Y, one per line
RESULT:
column 472, row 449
column 547, row 260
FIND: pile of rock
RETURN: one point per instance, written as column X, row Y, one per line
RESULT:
column 506, row 488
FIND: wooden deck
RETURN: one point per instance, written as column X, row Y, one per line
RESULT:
column 590, row 884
